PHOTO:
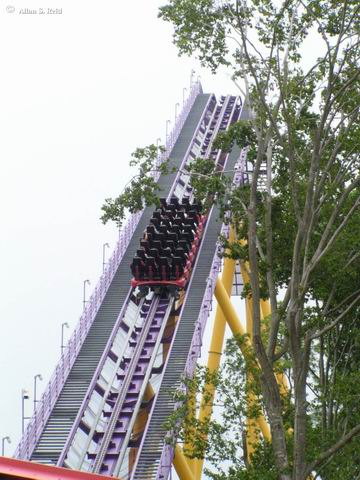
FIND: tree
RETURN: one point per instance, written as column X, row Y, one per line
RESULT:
column 301, row 230
column 141, row 189
column 306, row 124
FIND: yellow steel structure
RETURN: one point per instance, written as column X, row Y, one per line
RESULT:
column 226, row 313
column 181, row 465
column 188, row 445
column 191, row 469
column 216, row 348
column 237, row 329
column 265, row 308
column 265, row 312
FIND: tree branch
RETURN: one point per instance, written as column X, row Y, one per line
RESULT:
column 336, row 321
column 332, row 450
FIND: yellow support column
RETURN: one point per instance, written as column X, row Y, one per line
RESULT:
column 181, row 466
column 252, row 435
column 237, row 329
column 265, row 308
column 265, row 311
column 216, row 348
column 139, row 425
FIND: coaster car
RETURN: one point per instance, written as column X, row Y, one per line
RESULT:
column 169, row 246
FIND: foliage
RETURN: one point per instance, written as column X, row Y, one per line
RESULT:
column 300, row 213
column 221, row 439
column 142, row 189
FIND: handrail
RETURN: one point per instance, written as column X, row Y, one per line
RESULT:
column 52, row 391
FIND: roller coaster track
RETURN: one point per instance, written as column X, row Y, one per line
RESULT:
column 126, row 346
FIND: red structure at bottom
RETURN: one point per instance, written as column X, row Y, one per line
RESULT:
column 19, row 469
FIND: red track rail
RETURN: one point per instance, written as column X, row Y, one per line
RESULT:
column 20, row 469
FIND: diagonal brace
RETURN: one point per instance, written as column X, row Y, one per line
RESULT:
column 237, row 329
column 181, row 465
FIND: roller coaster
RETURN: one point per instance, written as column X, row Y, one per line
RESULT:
column 103, row 412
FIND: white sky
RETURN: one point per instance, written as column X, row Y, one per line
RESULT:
column 78, row 93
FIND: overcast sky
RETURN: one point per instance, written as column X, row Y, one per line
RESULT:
column 79, row 92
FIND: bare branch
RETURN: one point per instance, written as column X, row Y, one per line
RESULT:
column 332, row 450
column 326, row 241
column 336, row 321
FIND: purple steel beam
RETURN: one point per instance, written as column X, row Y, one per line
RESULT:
column 69, row 355
column 135, row 382
column 94, row 380
column 52, row 391
column 196, row 89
